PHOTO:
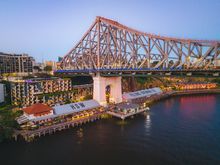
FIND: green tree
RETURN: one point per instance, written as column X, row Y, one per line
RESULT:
column 87, row 97
column 37, row 68
column 7, row 122
column 48, row 68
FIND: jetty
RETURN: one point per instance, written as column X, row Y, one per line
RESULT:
column 123, row 116
column 30, row 135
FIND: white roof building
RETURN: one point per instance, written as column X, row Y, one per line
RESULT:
column 2, row 93
column 59, row 111
column 75, row 107
column 141, row 93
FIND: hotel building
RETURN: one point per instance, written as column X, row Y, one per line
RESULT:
column 16, row 63
column 50, row 91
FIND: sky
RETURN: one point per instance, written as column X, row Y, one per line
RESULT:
column 46, row 29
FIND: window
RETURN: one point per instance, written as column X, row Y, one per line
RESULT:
column 72, row 106
column 77, row 106
column 82, row 105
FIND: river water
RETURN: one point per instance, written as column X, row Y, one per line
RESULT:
column 180, row 130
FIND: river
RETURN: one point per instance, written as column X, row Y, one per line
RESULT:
column 182, row 130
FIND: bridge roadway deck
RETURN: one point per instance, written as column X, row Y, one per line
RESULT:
column 136, row 70
column 142, row 72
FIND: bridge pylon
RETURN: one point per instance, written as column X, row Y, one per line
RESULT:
column 100, row 85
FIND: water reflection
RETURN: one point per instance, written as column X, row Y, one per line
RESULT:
column 169, row 104
column 122, row 124
column 80, row 136
column 204, row 102
column 201, row 107
column 147, row 124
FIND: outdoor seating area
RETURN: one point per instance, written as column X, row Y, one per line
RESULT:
column 127, row 109
column 61, row 119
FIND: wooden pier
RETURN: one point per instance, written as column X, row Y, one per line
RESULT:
column 124, row 116
column 30, row 135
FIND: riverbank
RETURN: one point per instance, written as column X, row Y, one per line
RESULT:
column 29, row 135
column 181, row 93
column 203, row 91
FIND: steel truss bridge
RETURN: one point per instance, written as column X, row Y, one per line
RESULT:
column 109, row 47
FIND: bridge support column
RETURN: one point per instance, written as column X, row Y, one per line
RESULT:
column 99, row 89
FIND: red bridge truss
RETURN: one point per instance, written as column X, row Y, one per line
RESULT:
column 110, row 45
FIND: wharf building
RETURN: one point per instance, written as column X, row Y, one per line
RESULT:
column 141, row 94
column 50, row 91
column 39, row 113
column 16, row 63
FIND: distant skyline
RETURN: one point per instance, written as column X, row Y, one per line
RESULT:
column 46, row 29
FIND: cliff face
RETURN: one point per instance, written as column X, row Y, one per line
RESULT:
column 137, row 83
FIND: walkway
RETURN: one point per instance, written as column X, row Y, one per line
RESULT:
column 29, row 135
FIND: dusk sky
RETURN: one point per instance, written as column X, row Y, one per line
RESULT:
column 46, row 29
